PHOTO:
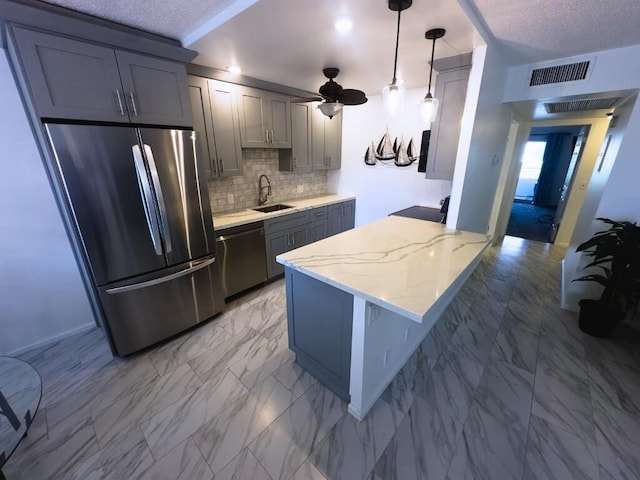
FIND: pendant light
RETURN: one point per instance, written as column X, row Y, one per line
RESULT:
column 429, row 105
column 393, row 94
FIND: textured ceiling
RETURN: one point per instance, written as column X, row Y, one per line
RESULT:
column 169, row 18
column 539, row 30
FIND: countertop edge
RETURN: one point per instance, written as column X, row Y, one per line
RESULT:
column 259, row 217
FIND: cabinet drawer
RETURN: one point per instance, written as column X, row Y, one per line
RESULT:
column 318, row 213
column 286, row 222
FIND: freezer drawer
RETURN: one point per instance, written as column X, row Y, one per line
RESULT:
column 243, row 258
column 148, row 309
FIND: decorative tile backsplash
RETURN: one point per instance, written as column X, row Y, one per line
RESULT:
column 236, row 193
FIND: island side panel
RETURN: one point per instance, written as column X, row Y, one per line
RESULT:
column 383, row 342
column 319, row 319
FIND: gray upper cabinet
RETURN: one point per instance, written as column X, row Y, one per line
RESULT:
column 77, row 80
column 215, row 122
column 155, row 89
column 298, row 158
column 265, row 119
column 451, row 90
column 326, row 140
column 226, row 128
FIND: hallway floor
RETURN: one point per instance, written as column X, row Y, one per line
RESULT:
column 505, row 386
column 531, row 222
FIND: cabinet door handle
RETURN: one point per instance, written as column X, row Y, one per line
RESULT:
column 266, row 135
column 293, row 239
column 221, row 165
column 120, row 102
column 272, row 136
column 133, row 104
column 318, row 214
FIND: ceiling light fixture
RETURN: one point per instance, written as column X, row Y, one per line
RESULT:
column 429, row 105
column 330, row 109
column 343, row 25
column 393, row 94
column 235, row 69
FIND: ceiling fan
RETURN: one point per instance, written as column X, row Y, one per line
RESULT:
column 333, row 96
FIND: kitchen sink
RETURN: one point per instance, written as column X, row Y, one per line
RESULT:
column 272, row 208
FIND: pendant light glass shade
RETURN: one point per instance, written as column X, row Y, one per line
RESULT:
column 330, row 109
column 393, row 97
column 428, row 108
column 429, row 105
column 393, row 94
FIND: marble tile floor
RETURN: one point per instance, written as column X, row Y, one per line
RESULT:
column 504, row 387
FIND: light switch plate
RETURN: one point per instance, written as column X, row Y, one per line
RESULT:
column 230, row 198
column 300, row 189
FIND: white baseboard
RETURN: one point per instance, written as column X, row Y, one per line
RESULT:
column 55, row 338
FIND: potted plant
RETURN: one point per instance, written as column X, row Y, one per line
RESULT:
column 616, row 252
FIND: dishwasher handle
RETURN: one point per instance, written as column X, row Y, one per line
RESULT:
column 224, row 238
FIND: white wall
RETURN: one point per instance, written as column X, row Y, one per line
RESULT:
column 483, row 140
column 612, row 70
column 41, row 293
column 612, row 193
column 383, row 189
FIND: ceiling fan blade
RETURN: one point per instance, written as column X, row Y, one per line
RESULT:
column 317, row 98
column 350, row 96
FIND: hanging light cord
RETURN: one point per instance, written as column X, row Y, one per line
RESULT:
column 395, row 61
column 433, row 49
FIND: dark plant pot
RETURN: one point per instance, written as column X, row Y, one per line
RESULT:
column 597, row 320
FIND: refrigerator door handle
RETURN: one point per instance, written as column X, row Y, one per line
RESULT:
column 145, row 192
column 167, row 278
column 158, row 188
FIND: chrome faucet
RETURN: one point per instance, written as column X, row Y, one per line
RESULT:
column 262, row 198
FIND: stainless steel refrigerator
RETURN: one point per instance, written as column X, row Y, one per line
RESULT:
column 142, row 213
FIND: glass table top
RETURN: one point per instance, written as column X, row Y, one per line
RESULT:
column 20, row 393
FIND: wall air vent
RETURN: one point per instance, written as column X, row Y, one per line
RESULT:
column 569, row 72
column 583, row 105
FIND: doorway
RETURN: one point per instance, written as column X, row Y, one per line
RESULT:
column 549, row 162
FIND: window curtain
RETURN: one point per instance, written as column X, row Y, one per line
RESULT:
column 543, row 192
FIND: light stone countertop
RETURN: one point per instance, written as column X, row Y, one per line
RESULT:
column 233, row 219
column 401, row 264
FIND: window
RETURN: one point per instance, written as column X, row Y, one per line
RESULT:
column 530, row 171
column 532, row 159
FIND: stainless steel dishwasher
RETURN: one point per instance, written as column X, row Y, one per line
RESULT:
column 243, row 257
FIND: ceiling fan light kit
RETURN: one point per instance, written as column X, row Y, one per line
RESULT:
column 429, row 105
column 330, row 109
column 333, row 96
column 393, row 94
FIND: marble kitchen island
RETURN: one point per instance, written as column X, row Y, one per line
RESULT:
column 361, row 302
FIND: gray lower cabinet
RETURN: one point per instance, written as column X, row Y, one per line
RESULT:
column 215, row 122
column 319, row 320
column 326, row 140
column 341, row 217
column 318, row 224
column 76, row 80
column 282, row 234
column 295, row 230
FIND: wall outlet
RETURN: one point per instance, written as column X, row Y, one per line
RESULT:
column 300, row 188
column 230, row 198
